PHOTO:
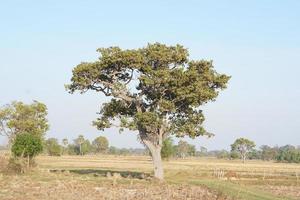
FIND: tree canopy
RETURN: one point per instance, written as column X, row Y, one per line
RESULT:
column 101, row 144
column 156, row 90
column 27, row 145
column 243, row 146
column 17, row 118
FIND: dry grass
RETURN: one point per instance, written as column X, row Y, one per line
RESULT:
column 57, row 186
column 85, row 178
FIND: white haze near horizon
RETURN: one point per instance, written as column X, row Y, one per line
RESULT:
column 258, row 47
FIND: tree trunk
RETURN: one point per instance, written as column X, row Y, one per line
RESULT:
column 244, row 158
column 156, row 159
column 157, row 164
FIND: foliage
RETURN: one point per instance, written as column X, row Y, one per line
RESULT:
column 81, row 146
column 53, row 148
column 27, row 145
column 65, row 143
column 254, row 154
column 125, row 151
column 18, row 118
column 156, row 90
column 202, row 152
column 184, row 149
column 223, row 154
column 268, row 153
column 72, row 149
column 167, row 149
column 100, row 144
column 24, row 148
column 288, row 153
column 243, row 146
column 112, row 150
column 86, row 147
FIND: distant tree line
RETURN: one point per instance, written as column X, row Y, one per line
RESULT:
column 242, row 148
column 79, row 146
column 286, row 153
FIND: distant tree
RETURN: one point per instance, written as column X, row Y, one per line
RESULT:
column 52, row 146
column 27, row 145
column 192, row 150
column 155, row 90
column 167, row 149
column 288, row 153
column 79, row 141
column 113, row 150
column 183, row 149
column 73, row 149
column 86, row 147
column 269, row 153
column 223, row 154
column 124, row 151
column 17, row 118
column 65, row 143
column 255, row 154
column 100, row 144
column 202, row 151
column 243, row 146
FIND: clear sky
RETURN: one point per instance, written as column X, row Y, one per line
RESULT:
column 257, row 42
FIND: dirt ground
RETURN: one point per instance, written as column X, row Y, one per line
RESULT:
column 28, row 188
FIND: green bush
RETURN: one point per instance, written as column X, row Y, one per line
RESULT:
column 27, row 145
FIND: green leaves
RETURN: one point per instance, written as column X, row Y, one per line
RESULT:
column 153, row 88
column 18, row 118
column 242, row 144
column 27, row 144
column 148, row 121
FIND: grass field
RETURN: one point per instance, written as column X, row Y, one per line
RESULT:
column 92, row 177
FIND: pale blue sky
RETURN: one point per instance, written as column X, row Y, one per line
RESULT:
column 257, row 42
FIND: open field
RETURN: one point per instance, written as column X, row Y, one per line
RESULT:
column 85, row 177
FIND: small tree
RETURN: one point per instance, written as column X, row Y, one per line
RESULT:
column 183, row 149
column 167, row 149
column 86, row 147
column 65, row 143
column 79, row 141
column 155, row 90
column 243, row 146
column 52, row 147
column 100, row 144
column 27, row 146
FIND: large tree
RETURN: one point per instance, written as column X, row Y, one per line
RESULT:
column 155, row 90
column 17, row 118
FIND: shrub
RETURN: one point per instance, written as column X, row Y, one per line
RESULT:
column 16, row 165
column 27, row 146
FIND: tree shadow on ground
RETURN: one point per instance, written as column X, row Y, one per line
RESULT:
column 106, row 173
